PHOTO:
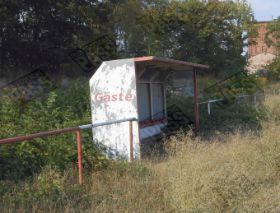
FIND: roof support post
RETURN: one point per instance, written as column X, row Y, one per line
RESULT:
column 196, row 104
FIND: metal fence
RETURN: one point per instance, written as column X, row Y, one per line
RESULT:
column 78, row 138
column 240, row 98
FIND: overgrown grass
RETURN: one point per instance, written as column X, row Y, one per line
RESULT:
column 235, row 171
column 120, row 188
column 240, row 175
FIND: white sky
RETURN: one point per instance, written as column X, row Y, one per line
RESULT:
column 265, row 10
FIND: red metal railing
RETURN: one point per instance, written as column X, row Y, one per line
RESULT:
column 78, row 139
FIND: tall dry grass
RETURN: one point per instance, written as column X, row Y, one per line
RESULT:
column 241, row 174
column 233, row 172
column 121, row 188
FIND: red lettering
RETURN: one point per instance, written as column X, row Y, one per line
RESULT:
column 106, row 97
column 128, row 97
column 114, row 97
column 98, row 97
column 120, row 96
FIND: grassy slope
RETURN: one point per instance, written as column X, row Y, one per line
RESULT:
column 241, row 175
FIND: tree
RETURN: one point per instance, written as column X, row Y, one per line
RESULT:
column 208, row 32
column 272, row 38
column 41, row 33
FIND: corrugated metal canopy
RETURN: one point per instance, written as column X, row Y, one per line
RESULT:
column 167, row 63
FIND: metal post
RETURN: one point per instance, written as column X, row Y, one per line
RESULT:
column 209, row 107
column 80, row 156
column 196, row 109
column 131, row 141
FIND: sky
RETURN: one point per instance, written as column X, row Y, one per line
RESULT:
column 265, row 10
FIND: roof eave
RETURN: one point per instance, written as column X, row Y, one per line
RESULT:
column 170, row 61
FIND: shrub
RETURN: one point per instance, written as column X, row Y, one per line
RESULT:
column 62, row 109
column 224, row 116
column 232, row 117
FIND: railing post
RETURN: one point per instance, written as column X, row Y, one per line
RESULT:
column 209, row 107
column 196, row 105
column 80, row 156
column 130, row 141
column 255, row 99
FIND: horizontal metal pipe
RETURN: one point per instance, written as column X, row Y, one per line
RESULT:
column 37, row 135
column 211, row 101
column 113, row 122
column 240, row 96
column 60, row 131
column 87, row 126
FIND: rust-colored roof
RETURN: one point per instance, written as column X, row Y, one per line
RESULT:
column 167, row 62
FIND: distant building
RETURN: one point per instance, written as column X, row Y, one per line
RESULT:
column 260, row 46
column 260, row 54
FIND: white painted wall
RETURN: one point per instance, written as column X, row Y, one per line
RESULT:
column 113, row 97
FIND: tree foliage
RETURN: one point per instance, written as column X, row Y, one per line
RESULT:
column 210, row 32
column 41, row 33
column 63, row 108
column 272, row 38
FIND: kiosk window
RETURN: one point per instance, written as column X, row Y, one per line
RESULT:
column 150, row 101
column 158, row 101
column 144, row 101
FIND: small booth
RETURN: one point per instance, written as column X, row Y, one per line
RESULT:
column 136, row 88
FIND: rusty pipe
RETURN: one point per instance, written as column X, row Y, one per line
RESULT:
column 80, row 156
column 37, row 135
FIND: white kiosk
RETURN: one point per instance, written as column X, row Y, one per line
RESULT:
column 134, row 88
